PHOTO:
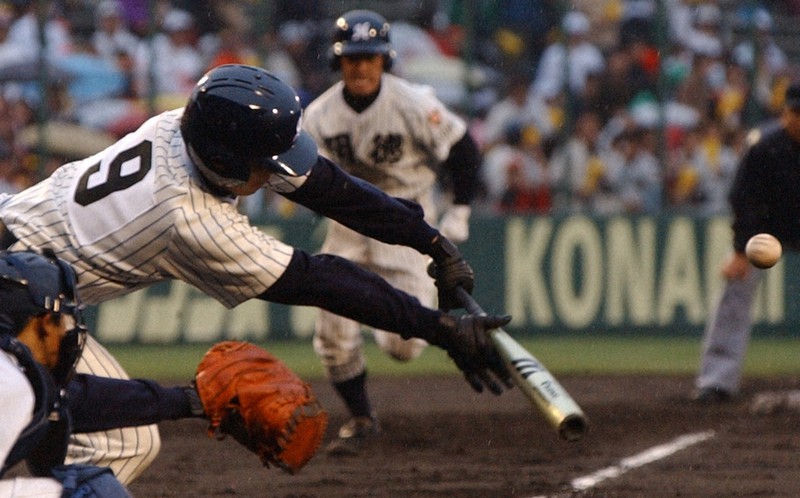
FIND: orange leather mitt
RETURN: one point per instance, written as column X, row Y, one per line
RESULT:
column 255, row 398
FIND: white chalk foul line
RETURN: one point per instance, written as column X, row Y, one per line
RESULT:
column 640, row 459
column 648, row 456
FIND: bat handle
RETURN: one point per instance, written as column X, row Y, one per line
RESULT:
column 468, row 302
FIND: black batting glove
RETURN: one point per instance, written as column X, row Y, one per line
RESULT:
column 466, row 340
column 450, row 271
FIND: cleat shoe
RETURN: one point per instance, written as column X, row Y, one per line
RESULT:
column 353, row 435
column 711, row 396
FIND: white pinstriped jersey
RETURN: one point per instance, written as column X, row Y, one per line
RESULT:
column 138, row 213
column 396, row 144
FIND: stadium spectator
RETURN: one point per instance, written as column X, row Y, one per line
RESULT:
column 765, row 63
column 513, row 107
column 581, row 177
column 564, row 65
column 620, row 83
column 760, row 52
column 19, row 51
column 715, row 162
column 287, row 54
column 637, row 21
column 111, row 35
column 234, row 48
column 515, row 173
column 173, row 60
column 635, row 181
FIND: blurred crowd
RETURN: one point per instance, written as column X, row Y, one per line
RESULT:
column 601, row 106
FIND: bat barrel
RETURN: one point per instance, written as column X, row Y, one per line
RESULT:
column 535, row 381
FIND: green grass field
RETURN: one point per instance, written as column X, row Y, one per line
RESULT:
column 645, row 355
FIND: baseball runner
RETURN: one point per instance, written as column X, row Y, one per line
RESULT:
column 764, row 197
column 395, row 135
column 161, row 204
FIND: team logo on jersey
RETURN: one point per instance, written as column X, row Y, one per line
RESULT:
column 387, row 148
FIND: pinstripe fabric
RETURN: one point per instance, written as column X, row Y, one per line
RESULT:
column 395, row 144
column 132, row 215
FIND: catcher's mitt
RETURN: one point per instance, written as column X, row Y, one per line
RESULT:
column 254, row 397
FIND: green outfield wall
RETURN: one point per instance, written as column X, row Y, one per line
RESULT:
column 554, row 275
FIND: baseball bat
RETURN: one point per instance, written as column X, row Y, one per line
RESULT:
column 534, row 380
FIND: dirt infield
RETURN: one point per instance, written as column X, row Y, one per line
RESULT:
column 441, row 440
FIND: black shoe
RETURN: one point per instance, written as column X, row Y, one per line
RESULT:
column 353, row 435
column 711, row 396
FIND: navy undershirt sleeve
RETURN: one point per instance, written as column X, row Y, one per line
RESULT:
column 362, row 207
column 340, row 286
column 99, row 403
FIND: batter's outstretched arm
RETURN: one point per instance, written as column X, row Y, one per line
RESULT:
column 359, row 205
column 341, row 287
column 366, row 209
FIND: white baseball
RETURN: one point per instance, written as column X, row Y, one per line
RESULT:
column 763, row 250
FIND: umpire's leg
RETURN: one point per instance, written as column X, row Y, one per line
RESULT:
column 127, row 451
column 727, row 335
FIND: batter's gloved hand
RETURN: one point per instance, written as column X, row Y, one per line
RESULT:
column 466, row 340
column 450, row 271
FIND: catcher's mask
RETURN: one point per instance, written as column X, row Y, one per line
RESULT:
column 33, row 284
column 361, row 32
column 240, row 117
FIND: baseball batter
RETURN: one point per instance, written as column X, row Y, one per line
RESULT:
column 161, row 204
column 764, row 197
column 395, row 135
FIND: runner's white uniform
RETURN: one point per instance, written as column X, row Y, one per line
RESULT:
column 128, row 217
column 396, row 144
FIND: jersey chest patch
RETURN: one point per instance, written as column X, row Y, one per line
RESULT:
column 380, row 149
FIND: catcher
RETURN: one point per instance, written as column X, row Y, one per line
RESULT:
column 44, row 400
column 41, row 338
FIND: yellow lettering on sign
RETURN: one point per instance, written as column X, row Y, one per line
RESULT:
column 631, row 262
column 679, row 285
column 576, row 296
column 526, row 291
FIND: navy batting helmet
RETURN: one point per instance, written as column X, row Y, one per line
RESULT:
column 32, row 284
column 360, row 32
column 239, row 117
